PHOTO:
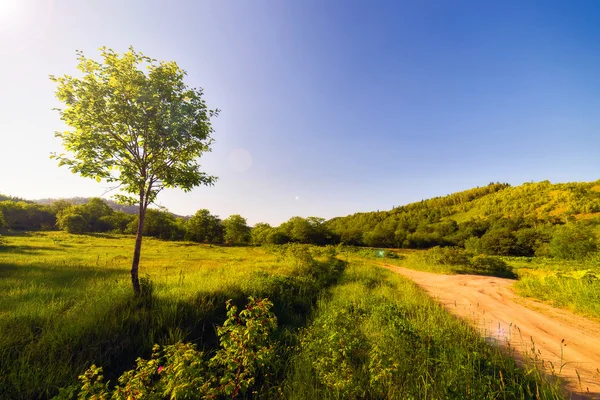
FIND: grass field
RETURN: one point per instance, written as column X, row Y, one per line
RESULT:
column 573, row 285
column 347, row 329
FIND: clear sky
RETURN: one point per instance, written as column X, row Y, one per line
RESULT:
column 328, row 107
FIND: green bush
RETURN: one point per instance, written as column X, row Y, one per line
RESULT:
column 72, row 223
column 446, row 256
column 486, row 265
column 180, row 371
column 573, row 242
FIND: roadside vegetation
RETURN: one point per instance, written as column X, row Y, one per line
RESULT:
column 332, row 326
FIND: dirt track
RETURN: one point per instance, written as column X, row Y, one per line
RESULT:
column 490, row 305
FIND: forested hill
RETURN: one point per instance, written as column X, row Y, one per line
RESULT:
column 84, row 200
column 454, row 218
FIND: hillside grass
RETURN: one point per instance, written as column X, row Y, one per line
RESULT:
column 347, row 329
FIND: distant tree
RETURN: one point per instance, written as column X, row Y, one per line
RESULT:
column 497, row 242
column 236, row 230
column 23, row 215
column 298, row 229
column 118, row 221
column 573, row 242
column 59, row 205
column 2, row 225
column 276, row 236
column 137, row 124
column 159, row 224
column 204, row 227
column 73, row 223
column 259, row 233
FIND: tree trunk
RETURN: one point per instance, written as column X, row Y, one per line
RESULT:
column 138, row 249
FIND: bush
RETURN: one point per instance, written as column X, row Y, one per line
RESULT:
column 446, row 256
column 485, row 265
column 73, row 223
column 573, row 242
column 181, row 371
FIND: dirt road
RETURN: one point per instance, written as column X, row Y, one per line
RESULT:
column 490, row 305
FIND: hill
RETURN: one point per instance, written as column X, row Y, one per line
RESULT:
column 453, row 219
column 84, row 200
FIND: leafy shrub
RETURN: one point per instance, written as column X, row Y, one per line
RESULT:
column 486, row 265
column 72, row 223
column 446, row 256
column 573, row 242
column 181, row 371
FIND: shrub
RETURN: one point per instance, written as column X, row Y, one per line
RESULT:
column 573, row 242
column 73, row 223
column 181, row 371
column 486, row 265
column 446, row 256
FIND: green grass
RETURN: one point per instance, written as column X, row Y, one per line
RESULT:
column 347, row 329
column 573, row 285
column 66, row 302
column 379, row 336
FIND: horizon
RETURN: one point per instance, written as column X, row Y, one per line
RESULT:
column 327, row 109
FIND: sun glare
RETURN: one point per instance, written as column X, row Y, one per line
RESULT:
column 8, row 9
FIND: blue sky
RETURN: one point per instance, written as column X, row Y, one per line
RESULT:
column 328, row 108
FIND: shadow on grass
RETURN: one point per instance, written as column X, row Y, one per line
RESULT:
column 117, row 330
column 18, row 233
column 25, row 249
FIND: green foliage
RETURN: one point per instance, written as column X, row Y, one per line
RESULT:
column 137, row 124
column 21, row 215
column 204, row 227
column 451, row 256
column 246, row 346
column 158, row 224
column 72, row 222
column 378, row 336
column 573, row 242
column 259, row 233
column 180, row 371
column 236, row 230
column 118, row 221
column 485, row 265
column 305, row 230
column 94, row 216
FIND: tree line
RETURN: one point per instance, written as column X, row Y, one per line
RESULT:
column 416, row 226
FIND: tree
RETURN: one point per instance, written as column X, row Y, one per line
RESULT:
column 236, row 229
column 204, row 227
column 259, row 233
column 143, row 129
column 159, row 224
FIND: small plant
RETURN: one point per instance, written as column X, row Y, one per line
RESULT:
column 180, row 371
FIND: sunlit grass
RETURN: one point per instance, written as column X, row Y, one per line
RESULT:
column 66, row 302
column 379, row 336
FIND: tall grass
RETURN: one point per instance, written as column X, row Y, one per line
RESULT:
column 66, row 301
column 345, row 331
column 579, row 294
column 379, row 336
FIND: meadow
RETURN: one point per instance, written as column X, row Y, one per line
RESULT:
column 345, row 327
